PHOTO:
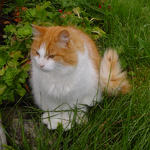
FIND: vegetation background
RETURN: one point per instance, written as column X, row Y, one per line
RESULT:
column 121, row 122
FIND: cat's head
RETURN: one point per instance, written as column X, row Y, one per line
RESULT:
column 54, row 48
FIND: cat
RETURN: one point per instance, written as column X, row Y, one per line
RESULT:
column 68, row 70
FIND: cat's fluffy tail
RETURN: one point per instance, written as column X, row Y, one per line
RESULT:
column 112, row 79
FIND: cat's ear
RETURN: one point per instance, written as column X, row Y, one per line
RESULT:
column 38, row 31
column 63, row 37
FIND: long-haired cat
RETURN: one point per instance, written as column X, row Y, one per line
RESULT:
column 68, row 70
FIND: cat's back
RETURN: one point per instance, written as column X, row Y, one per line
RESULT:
column 90, row 45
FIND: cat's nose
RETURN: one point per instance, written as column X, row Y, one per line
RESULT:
column 41, row 64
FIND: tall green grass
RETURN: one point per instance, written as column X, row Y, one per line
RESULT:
column 117, row 123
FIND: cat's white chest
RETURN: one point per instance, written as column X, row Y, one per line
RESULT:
column 57, row 86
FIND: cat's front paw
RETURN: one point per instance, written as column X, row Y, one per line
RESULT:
column 52, row 122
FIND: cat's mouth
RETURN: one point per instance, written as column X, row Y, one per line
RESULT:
column 48, row 69
column 44, row 69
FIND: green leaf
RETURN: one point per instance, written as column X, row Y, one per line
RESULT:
column 21, row 91
column 77, row 11
column 38, row 7
column 33, row 12
column 26, row 67
column 64, row 3
column 2, row 88
column 99, row 31
column 11, row 64
column 59, row 127
column 24, row 32
column 141, row 45
column 13, row 30
column 131, row 73
column 4, row 56
column 10, row 75
column 20, row 2
column 16, row 54
column 45, row 5
column 50, row 15
column 21, row 80
column 22, row 76
column 95, row 36
column 8, row 94
column 2, row 71
column 14, row 62
column 42, row 15
column 95, row 19
column 9, row 28
column 5, row 36
column 123, row 63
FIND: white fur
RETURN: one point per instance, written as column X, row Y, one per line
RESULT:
column 55, row 85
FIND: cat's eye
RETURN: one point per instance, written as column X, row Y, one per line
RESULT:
column 51, row 56
column 37, row 53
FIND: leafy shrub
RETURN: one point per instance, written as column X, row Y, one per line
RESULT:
column 14, row 56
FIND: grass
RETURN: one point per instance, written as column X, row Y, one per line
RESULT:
column 118, row 122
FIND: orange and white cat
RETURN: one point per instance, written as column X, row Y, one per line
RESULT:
column 68, row 70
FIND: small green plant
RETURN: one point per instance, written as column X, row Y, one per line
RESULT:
column 13, row 75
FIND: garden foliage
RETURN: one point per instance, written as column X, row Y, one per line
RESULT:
column 14, row 56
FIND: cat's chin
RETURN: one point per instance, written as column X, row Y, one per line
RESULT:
column 45, row 70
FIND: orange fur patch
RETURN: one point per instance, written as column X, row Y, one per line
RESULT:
column 111, row 76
